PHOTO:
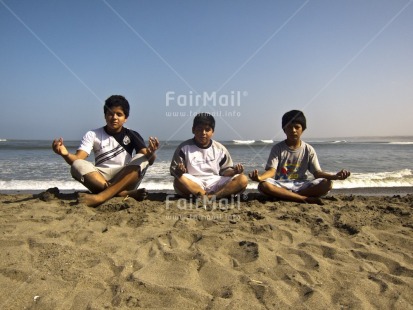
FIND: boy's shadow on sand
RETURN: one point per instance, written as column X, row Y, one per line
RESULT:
column 48, row 195
column 54, row 193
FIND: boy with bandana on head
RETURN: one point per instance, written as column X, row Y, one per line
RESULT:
column 286, row 171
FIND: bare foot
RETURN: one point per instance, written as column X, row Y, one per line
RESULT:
column 314, row 200
column 90, row 200
column 137, row 194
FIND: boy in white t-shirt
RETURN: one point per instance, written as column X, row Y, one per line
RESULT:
column 116, row 171
column 285, row 176
column 203, row 167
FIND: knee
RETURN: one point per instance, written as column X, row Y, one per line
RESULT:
column 76, row 169
column 76, row 164
column 176, row 182
column 323, row 187
column 139, row 160
column 134, row 171
column 180, row 183
column 180, row 179
column 264, row 187
column 328, row 184
column 242, row 180
column 181, row 188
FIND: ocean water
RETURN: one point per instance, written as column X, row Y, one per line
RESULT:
column 31, row 165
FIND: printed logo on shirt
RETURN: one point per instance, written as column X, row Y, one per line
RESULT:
column 126, row 140
column 199, row 160
column 289, row 171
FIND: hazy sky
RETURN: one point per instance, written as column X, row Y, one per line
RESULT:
column 347, row 64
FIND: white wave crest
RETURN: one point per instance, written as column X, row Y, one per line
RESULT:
column 401, row 178
column 401, row 142
column 243, row 141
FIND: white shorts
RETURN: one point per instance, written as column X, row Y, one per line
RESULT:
column 210, row 183
column 81, row 167
column 293, row 185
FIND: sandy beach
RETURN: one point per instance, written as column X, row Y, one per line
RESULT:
column 353, row 252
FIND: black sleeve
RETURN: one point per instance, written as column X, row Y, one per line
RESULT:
column 137, row 141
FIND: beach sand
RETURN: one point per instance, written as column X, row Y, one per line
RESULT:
column 354, row 252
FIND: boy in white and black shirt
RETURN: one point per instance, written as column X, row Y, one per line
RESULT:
column 117, row 171
column 112, row 150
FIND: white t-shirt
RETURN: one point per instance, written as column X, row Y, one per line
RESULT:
column 112, row 151
column 211, row 160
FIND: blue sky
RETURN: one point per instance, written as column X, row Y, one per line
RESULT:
column 347, row 64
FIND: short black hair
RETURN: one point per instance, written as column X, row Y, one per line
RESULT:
column 117, row 101
column 294, row 116
column 204, row 119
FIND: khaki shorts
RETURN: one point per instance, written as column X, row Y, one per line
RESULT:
column 81, row 167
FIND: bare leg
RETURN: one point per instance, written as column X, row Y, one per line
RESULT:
column 137, row 194
column 188, row 187
column 95, row 182
column 285, row 194
column 128, row 177
column 318, row 190
column 236, row 185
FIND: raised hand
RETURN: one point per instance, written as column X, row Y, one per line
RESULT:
column 343, row 174
column 254, row 176
column 238, row 168
column 180, row 169
column 59, row 148
column 153, row 144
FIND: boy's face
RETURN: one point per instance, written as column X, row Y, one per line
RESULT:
column 203, row 134
column 115, row 118
column 293, row 132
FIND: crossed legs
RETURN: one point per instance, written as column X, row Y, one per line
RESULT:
column 123, row 184
column 310, row 194
column 187, row 187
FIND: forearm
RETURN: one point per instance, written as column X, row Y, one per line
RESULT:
column 341, row 175
column 228, row 172
column 259, row 178
column 150, row 156
column 69, row 158
column 325, row 175
column 152, row 159
column 232, row 171
column 267, row 174
column 60, row 149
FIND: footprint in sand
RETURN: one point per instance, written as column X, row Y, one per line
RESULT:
column 15, row 274
column 394, row 267
column 245, row 251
